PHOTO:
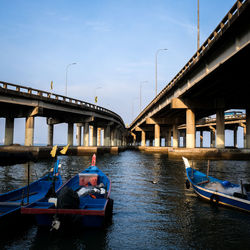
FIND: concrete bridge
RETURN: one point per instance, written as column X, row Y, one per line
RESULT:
column 19, row 101
column 214, row 80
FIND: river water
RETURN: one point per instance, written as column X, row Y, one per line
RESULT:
column 152, row 207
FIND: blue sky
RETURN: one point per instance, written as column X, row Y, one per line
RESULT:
column 112, row 42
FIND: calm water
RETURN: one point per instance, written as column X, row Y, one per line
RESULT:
column 164, row 215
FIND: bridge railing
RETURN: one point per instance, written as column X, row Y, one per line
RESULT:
column 53, row 96
column 219, row 30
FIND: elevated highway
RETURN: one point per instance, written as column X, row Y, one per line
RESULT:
column 214, row 80
column 24, row 102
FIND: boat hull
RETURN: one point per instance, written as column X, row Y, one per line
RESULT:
column 89, row 211
column 222, row 193
column 222, row 199
column 12, row 201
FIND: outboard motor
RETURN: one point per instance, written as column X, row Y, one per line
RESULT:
column 67, row 199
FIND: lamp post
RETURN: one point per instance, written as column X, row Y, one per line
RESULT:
column 133, row 102
column 67, row 76
column 156, row 54
column 140, row 92
column 198, row 25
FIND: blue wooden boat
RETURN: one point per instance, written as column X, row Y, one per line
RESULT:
column 12, row 201
column 83, row 201
column 217, row 191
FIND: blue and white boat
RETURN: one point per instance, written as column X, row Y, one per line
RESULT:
column 83, row 201
column 217, row 191
column 12, row 201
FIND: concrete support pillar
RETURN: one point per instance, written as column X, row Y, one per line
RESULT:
column 107, row 136
column 143, row 138
column 157, row 135
column 235, row 136
column 9, row 131
column 86, row 135
column 50, row 134
column 201, row 139
column 94, row 136
column 244, row 137
column 112, row 136
column 70, row 133
column 79, row 134
column 175, row 136
column 184, row 139
column 247, row 128
column 212, row 137
column 29, row 131
column 220, row 129
column 118, row 137
column 99, row 136
column 169, row 137
column 190, row 128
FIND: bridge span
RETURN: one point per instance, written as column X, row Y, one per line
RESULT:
column 214, row 80
column 19, row 101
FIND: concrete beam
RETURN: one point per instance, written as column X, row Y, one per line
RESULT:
column 177, row 103
column 37, row 111
column 161, row 121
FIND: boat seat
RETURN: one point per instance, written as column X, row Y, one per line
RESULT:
column 203, row 182
column 10, row 203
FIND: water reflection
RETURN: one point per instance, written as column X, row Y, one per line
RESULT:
column 152, row 207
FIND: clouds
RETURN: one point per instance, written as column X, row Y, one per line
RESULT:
column 97, row 26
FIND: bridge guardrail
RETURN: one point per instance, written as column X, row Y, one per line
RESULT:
column 53, row 96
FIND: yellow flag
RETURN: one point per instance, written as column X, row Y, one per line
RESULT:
column 96, row 99
column 51, row 85
column 53, row 151
column 64, row 150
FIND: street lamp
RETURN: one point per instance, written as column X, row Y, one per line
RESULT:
column 67, row 76
column 140, row 92
column 156, row 54
column 133, row 102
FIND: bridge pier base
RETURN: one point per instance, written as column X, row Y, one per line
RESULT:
column 29, row 131
column 9, row 131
